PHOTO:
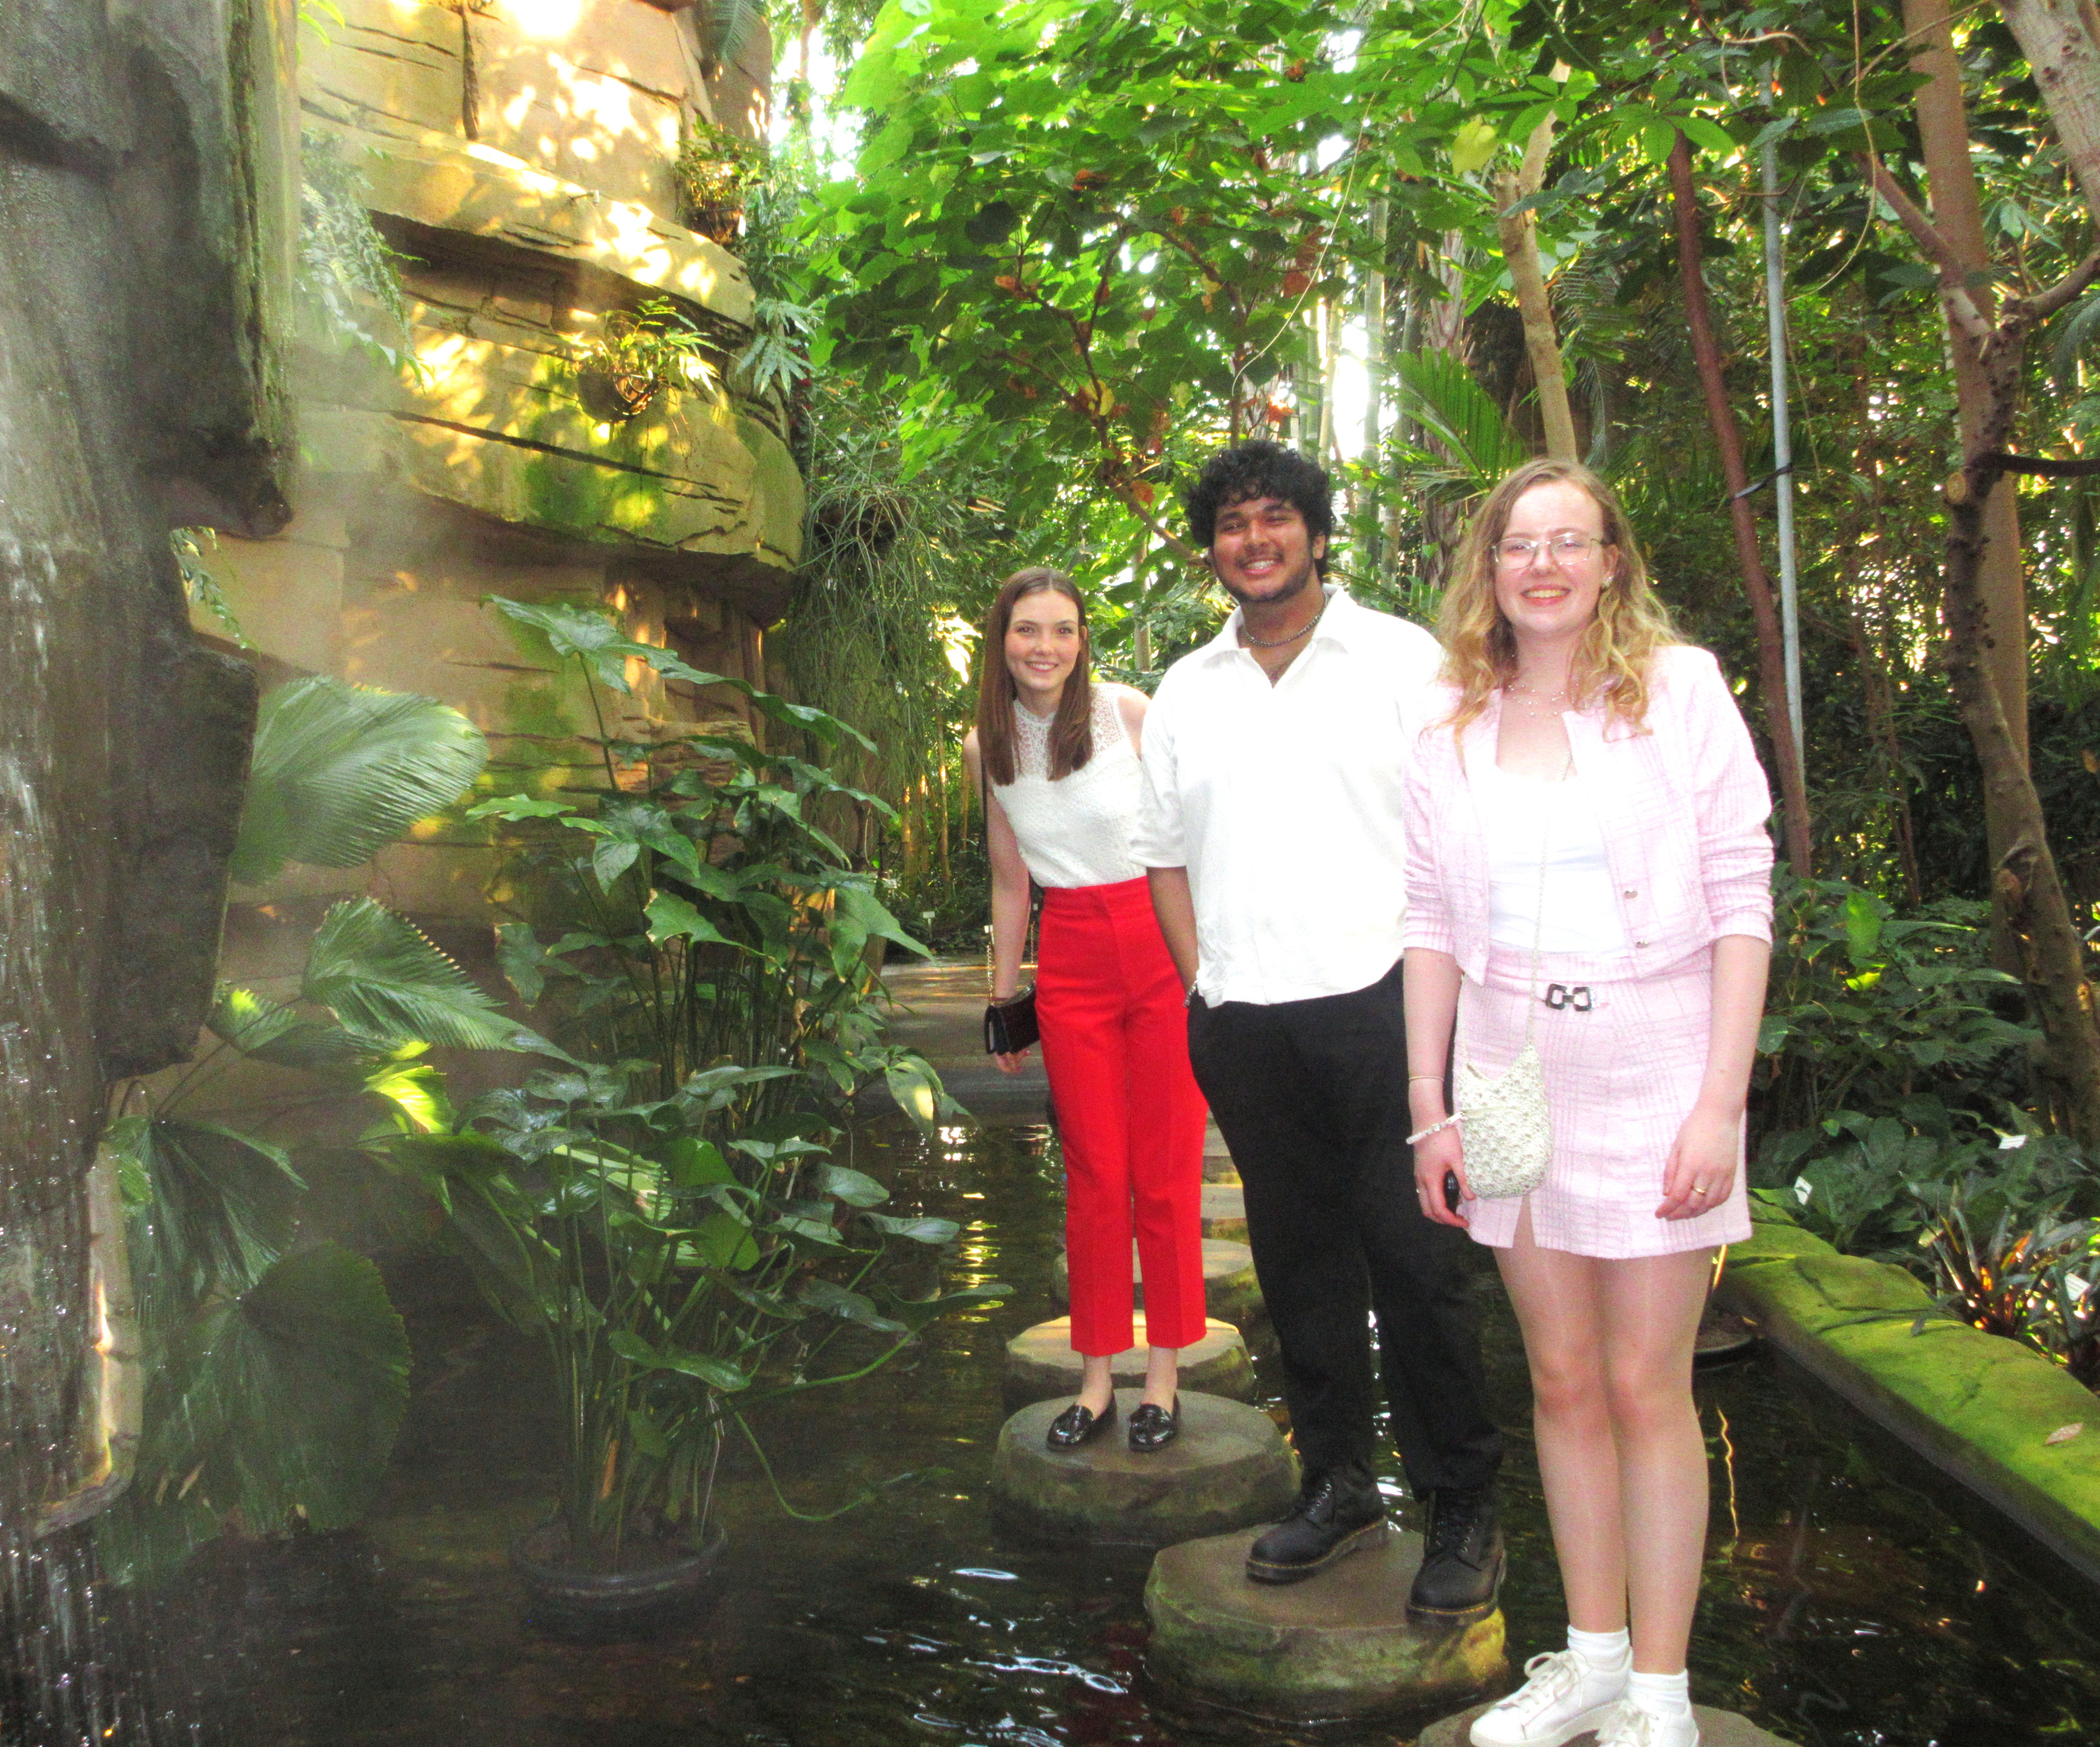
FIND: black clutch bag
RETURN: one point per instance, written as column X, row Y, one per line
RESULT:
column 1010, row 1026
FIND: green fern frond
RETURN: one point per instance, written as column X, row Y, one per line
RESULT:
column 340, row 771
column 382, row 978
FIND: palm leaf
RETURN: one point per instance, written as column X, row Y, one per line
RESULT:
column 1438, row 392
column 270, row 1031
column 212, row 1209
column 727, row 27
column 382, row 978
column 340, row 771
column 282, row 1403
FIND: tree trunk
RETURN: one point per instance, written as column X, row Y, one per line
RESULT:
column 1874, row 665
column 1757, row 585
column 2026, row 894
column 1519, row 236
column 1372, row 452
column 1957, row 215
column 2061, row 39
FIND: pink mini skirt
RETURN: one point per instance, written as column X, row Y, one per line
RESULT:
column 1623, row 1061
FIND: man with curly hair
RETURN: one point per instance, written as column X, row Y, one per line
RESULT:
column 1271, row 832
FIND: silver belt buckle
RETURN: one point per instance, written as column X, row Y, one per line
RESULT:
column 1577, row 998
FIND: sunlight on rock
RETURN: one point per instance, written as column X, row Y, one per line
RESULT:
column 545, row 19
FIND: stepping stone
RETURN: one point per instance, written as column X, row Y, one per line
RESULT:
column 1040, row 1364
column 1218, row 1166
column 1339, row 1645
column 1231, row 1293
column 1224, row 1212
column 1717, row 1728
column 1723, row 1335
column 1230, row 1467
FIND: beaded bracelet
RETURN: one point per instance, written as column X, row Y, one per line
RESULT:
column 1434, row 1128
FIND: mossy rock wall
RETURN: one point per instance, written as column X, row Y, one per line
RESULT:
column 1981, row 1408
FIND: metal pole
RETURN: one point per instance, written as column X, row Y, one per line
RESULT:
column 1789, row 611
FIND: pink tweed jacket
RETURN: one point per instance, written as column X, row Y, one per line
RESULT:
column 1683, row 802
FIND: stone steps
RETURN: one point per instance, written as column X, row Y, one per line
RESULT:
column 1231, row 1293
column 1041, row 1365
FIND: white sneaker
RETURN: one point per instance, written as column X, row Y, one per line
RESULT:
column 1563, row 1697
column 1634, row 1725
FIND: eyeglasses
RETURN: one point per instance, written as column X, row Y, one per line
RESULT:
column 1515, row 553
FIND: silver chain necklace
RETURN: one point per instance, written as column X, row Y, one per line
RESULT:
column 1278, row 642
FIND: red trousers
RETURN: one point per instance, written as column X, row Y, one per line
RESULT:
column 1115, row 1044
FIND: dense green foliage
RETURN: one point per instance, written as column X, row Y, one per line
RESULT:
column 665, row 1211
column 277, row 1371
column 1082, row 244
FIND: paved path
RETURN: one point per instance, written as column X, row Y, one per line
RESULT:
column 940, row 1013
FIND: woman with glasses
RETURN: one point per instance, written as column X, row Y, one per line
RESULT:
column 1055, row 757
column 1589, row 873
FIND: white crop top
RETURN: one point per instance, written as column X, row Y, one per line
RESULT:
column 1581, row 911
column 1076, row 831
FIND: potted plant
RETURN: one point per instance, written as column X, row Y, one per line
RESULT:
column 666, row 1210
column 637, row 354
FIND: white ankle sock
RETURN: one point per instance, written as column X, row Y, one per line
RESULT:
column 1605, row 1652
column 1665, row 1694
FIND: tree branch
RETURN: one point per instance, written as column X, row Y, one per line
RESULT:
column 2046, row 466
column 1953, row 275
column 2046, row 303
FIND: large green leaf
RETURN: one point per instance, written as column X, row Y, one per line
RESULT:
column 282, row 1403
column 382, row 977
column 271, row 1031
column 591, row 635
column 339, row 772
column 1439, row 392
column 217, row 1208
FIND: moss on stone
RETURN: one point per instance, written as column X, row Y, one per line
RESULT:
column 1338, row 1645
column 1981, row 1407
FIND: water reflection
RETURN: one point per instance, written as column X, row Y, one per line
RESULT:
column 1840, row 1608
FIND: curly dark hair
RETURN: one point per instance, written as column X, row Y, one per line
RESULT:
column 1260, row 469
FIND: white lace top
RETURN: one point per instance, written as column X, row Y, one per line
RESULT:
column 1076, row 831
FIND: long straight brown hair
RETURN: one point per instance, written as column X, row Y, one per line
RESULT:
column 1071, row 728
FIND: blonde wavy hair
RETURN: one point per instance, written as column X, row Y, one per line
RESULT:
column 1613, row 659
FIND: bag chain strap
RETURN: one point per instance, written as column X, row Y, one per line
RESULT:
column 1538, row 934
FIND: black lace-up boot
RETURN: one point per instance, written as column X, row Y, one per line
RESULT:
column 1462, row 1557
column 1338, row 1510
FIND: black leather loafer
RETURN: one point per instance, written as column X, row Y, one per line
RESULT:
column 1338, row 1510
column 1078, row 1425
column 1462, row 1557
column 1153, row 1428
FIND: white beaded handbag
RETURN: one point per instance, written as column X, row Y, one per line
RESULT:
column 1507, row 1129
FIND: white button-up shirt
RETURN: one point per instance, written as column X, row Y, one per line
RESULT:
column 1283, row 802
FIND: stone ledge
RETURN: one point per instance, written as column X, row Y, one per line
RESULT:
column 1978, row 1407
column 451, row 184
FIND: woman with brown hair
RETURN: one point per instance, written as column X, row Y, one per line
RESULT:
column 1589, row 897
column 1055, row 757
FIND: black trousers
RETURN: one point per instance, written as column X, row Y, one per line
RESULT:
column 1312, row 1098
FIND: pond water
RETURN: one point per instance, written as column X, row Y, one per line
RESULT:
column 1840, row 1607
